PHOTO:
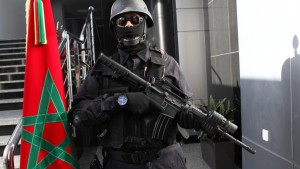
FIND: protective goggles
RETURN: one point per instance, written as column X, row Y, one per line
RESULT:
column 134, row 20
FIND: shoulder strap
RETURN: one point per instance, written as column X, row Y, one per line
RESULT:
column 115, row 56
column 106, row 81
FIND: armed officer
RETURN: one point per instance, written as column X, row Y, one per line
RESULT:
column 131, row 129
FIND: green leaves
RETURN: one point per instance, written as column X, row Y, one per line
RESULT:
column 223, row 107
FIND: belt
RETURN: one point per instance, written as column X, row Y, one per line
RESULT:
column 140, row 157
column 136, row 157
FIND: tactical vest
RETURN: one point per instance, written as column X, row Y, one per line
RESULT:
column 125, row 130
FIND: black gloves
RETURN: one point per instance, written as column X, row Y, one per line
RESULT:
column 97, row 111
column 109, row 105
column 93, row 112
column 208, row 124
column 139, row 104
column 188, row 120
column 214, row 120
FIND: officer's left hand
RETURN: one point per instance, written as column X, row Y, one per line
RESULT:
column 139, row 104
column 188, row 120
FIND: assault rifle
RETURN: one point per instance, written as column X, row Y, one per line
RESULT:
column 173, row 103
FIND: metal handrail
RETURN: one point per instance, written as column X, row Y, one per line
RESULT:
column 81, row 58
column 67, row 37
column 8, row 154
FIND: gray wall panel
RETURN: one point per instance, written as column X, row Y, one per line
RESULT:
column 187, row 21
column 295, row 92
column 189, row 3
column 264, row 107
column 193, row 62
column 192, row 46
column 264, row 159
column 12, row 19
column 270, row 80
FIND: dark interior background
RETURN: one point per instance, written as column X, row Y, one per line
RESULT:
column 75, row 12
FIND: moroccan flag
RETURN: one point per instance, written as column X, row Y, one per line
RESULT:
column 46, row 141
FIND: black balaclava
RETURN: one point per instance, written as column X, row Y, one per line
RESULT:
column 132, row 39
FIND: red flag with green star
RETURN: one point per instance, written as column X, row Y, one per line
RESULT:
column 46, row 140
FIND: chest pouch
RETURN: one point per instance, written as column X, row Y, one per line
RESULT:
column 155, row 66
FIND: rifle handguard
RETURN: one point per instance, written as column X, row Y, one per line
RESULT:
column 214, row 119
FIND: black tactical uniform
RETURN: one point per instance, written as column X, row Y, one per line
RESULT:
column 120, row 130
column 129, row 126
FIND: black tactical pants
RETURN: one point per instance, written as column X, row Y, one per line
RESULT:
column 170, row 157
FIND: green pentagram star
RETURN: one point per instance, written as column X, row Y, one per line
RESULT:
column 36, row 140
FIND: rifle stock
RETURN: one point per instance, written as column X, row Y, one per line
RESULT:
column 171, row 102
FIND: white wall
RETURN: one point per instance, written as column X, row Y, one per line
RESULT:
column 266, row 30
column 191, row 44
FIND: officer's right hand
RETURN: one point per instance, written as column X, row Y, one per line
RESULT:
column 139, row 104
column 94, row 111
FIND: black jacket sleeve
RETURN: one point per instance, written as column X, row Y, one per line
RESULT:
column 174, row 71
column 91, row 108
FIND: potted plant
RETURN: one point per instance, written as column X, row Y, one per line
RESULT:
column 217, row 151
